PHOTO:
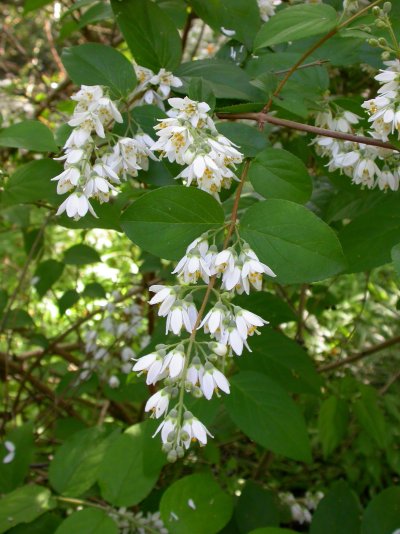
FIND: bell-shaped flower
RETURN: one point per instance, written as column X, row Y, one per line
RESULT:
column 193, row 430
column 174, row 362
column 164, row 295
column 76, row 206
column 158, row 403
column 151, row 364
column 247, row 322
column 214, row 319
column 168, row 427
column 211, row 380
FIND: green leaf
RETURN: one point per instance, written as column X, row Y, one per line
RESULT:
column 226, row 79
column 241, row 16
column 13, row 473
column 76, row 463
column 249, row 140
column 30, row 134
column 332, row 423
column 339, row 511
column 31, row 182
column 366, row 244
column 267, row 415
column 370, row 416
column 395, row 253
column 282, row 360
column 201, row 90
column 147, row 116
column 297, row 245
column 44, row 524
column 23, row 506
column 97, row 64
column 272, row 530
column 18, row 319
column 195, row 504
column 107, row 213
column 81, row 255
column 179, row 214
column 94, row 290
column 46, row 274
column 295, row 23
column 68, row 299
column 276, row 173
column 31, row 5
column 149, row 32
column 256, row 507
column 98, row 12
column 382, row 515
column 131, row 467
column 89, row 521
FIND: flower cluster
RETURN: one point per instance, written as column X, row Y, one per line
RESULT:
column 153, row 88
column 366, row 165
column 301, row 509
column 129, row 522
column 267, row 8
column 108, row 343
column 191, row 366
column 95, row 158
column 190, row 138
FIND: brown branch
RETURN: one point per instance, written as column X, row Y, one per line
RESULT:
column 355, row 357
column 264, row 117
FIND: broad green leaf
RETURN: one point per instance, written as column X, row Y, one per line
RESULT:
column 76, row 463
column 88, row 521
column 13, row 473
column 81, row 255
column 339, row 511
column 23, row 506
column 226, row 79
column 29, row 134
column 296, row 22
column 282, row 360
column 147, row 117
column 32, row 182
column 131, row 467
column 267, row 415
column 94, row 290
column 332, row 423
column 195, row 504
column 107, row 217
column 97, row 64
column 370, row 416
column 276, row 173
column 272, row 530
column 256, row 507
column 31, row 5
column 297, row 245
column 395, row 253
column 44, row 524
column 98, row 12
column 165, row 221
column 201, row 91
column 67, row 300
column 46, row 274
column 240, row 16
column 367, row 244
column 382, row 515
column 149, row 32
column 249, row 140
column 18, row 319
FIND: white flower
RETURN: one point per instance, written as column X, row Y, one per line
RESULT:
column 165, row 80
column 88, row 121
column 211, row 380
column 168, row 427
column 174, row 362
column 174, row 140
column 151, row 364
column 267, row 8
column 219, row 348
column 9, row 457
column 76, row 206
column 67, row 180
column 178, row 317
column 225, row 260
column 108, row 111
column 365, row 171
column 194, row 371
column 113, row 382
column 97, row 187
column 213, row 321
column 388, row 180
column 79, row 136
column 87, row 95
column 247, row 322
column 192, row 266
column 158, row 403
column 165, row 295
column 193, row 430
column 72, row 156
column 253, row 268
column 231, row 336
column 190, row 110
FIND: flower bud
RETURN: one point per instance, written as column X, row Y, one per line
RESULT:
column 172, row 456
column 387, row 6
column 180, row 451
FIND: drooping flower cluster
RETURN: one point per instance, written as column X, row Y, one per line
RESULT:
column 301, row 509
column 95, row 158
column 267, row 8
column 139, row 523
column 190, row 138
column 366, row 165
column 191, row 366
column 108, row 342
